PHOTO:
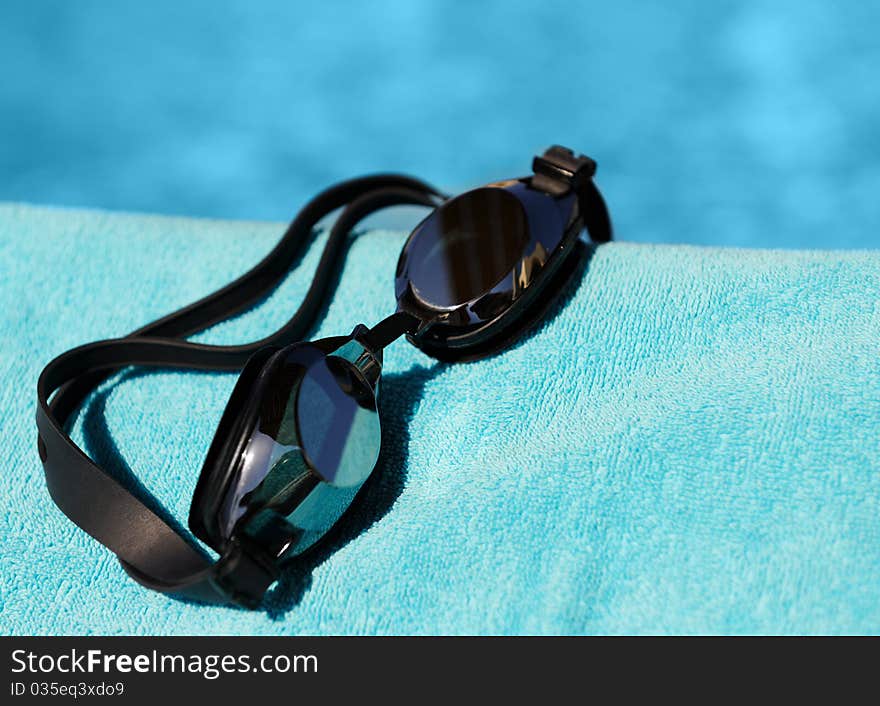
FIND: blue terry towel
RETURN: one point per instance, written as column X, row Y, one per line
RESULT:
column 689, row 445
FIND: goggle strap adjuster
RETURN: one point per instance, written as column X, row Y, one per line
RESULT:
column 558, row 170
column 242, row 576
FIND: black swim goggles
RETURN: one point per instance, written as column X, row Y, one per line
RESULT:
column 300, row 433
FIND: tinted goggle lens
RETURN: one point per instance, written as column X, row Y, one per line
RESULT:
column 467, row 247
column 314, row 440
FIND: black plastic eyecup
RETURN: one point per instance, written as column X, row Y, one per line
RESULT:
column 258, row 531
column 461, row 334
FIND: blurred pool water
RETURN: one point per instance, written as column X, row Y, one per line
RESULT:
column 736, row 123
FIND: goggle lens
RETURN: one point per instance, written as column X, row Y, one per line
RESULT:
column 314, row 442
column 467, row 247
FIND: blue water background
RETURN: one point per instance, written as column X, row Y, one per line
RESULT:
column 734, row 123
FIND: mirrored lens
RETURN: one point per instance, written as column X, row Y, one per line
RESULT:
column 338, row 423
column 315, row 441
column 466, row 247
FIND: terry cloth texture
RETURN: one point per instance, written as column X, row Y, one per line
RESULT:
column 690, row 444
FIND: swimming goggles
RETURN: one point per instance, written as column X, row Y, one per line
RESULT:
column 300, row 434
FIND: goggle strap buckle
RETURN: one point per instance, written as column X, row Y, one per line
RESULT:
column 558, row 170
column 242, row 576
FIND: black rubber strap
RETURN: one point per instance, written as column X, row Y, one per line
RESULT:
column 256, row 283
column 154, row 552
